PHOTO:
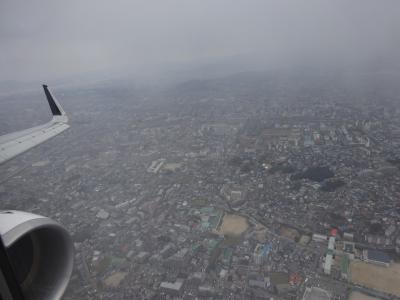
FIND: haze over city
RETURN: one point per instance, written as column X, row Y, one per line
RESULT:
column 46, row 39
column 204, row 149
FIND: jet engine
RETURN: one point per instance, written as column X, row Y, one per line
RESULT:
column 39, row 252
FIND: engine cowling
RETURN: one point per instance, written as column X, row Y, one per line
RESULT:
column 40, row 252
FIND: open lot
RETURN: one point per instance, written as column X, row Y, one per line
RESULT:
column 290, row 233
column 233, row 225
column 376, row 277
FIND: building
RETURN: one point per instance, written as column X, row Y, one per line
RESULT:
column 295, row 279
column 172, row 288
column 236, row 196
column 280, row 281
column 377, row 257
column 156, row 165
column 206, row 291
column 195, row 279
column 316, row 237
column 178, row 260
column 348, row 236
column 261, row 253
column 328, row 263
column 331, row 243
column 348, row 247
column 167, row 251
column 304, row 240
column 315, row 293
column 142, row 256
column 257, row 281
column 376, row 239
column 344, row 266
column 390, row 230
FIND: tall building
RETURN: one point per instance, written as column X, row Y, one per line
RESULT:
column 328, row 263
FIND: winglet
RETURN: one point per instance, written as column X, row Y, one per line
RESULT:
column 55, row 107
column 15, row 143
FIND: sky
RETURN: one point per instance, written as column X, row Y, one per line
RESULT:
column 45, row 39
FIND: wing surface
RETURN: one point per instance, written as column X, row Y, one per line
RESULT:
column 18, row 142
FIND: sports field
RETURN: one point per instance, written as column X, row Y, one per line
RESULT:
column 233, row 225
column 360, row 296
column 376, row 277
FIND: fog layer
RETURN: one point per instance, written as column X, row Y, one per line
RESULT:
column 55, row 39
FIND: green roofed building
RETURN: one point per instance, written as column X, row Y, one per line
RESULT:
column 344, row 266
column 211, row 245
column 227, row 256
column 207, row 210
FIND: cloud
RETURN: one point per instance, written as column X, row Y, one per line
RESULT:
column 55, row 38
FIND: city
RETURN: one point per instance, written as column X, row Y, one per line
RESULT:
column 251, row 186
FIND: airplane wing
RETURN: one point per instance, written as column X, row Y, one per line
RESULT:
column 36, row 253
column 16, row 143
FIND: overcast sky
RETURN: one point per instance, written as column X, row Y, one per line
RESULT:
column 52, row 38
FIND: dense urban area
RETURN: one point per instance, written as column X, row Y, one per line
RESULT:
column 251, row 186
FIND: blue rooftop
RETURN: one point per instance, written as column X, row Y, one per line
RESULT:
column 378, row 256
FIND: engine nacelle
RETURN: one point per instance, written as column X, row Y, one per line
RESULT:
column 40, row 252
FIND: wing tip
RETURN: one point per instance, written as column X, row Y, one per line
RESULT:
column 54, row 106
